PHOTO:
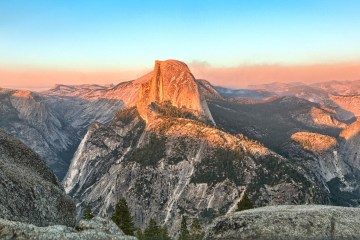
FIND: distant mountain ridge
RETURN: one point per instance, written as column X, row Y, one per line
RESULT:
column 71, row 109
column 342, row 96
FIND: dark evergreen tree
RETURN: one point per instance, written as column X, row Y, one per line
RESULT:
column 152, row 230
column 87, row 215
column 196, row 231
column 244, row 204
column 184, row 232
column 139, row 235
column 122, row 217
column 164, row 234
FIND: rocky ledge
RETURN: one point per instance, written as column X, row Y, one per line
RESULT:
column 288, row 222
column 29, row 190
column 95, row 229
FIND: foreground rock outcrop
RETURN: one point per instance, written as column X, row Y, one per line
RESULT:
column 288, row 222
column 29, row 190
column 95, row 229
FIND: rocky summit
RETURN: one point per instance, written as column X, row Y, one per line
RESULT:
column 94, row 229
column 172, row 83
column 29, row 191
column 304, row 222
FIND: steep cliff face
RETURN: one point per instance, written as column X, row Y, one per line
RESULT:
column 172, row 82
column 207, row 90
column 26, row 115
column 29, row 191
column 180, row 167
column 320, row 154
column 350, row 144
column 128, row 92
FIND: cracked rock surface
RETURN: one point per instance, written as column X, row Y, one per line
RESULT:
column 288, row 222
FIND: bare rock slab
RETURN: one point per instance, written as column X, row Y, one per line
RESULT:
column 95, row 229
column 288, row 222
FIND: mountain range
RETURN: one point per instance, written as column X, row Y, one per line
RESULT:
column 175, row 146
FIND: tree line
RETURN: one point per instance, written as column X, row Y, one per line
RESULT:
column 153, row 231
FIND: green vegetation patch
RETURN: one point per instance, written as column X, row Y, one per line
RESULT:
column 341, row 198
column 220, row 165
column 179, row 151
column 126, row 115
column 272, row 170
column 151, row 153
column 168, row 110
column 208, row 214
column 244, row 204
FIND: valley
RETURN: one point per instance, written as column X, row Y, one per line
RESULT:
column 175, row 146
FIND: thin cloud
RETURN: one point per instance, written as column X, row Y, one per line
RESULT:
column 242, row 76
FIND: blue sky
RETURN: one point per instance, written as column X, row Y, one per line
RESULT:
column 75, row 34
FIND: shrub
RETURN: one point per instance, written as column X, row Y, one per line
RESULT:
column 184, row 232
column 122, row 217
column 220, row 165
column 153, row 232
column 196, row 231
column 87, row 215
column 151, row 153
column 244, row 204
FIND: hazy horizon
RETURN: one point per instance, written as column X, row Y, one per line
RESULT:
column 230, row 43
column 232, row 77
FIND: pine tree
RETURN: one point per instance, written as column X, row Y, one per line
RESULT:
column 244, row 204
column 122, row 217
column 195, row 226
column 196, row 230
column 87, row 215
column 164, row 234
column 139, row 235
column 152, row 230
column 184, row 232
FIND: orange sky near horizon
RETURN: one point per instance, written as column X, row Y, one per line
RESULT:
column 242, row 76
column 235, row 77
column 38, row 80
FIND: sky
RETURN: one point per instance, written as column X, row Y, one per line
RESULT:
column 231, row 43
